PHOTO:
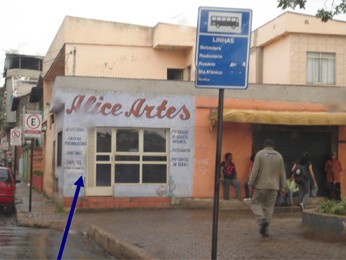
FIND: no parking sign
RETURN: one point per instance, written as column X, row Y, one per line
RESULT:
column 16, row 136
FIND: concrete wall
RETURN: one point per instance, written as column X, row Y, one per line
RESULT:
column 236, row 138
column 276, row 62
column 123, row 61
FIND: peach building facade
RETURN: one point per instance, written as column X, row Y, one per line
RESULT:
column 105, row 81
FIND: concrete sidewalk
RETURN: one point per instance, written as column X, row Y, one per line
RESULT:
column 182, row 233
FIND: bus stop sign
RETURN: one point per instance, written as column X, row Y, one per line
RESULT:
column 222, row 48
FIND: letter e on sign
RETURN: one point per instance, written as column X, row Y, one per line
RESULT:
column 33, row 122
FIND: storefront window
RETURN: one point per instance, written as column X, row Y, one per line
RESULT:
column 127, row 173
column 154, row 173
column 138, row 156
column 103, row 175
column 127, row 140
column 154, row 140
column 104, row 140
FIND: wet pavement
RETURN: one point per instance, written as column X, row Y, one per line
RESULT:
column 184, row 233
column 34, row 243
column 18, row 242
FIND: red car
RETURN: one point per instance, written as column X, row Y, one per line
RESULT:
column 7, row 189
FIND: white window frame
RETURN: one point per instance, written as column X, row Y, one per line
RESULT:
column 320, row 68
column 140, row 153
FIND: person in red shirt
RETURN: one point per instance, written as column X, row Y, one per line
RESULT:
column 332, row 170
column 229, row 177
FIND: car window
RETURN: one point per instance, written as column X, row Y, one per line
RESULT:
column 4, row 175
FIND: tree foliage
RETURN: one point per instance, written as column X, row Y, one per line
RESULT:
column 324, row 14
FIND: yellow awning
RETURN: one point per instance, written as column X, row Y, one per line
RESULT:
column 284, row 117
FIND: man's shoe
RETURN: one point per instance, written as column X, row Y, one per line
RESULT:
column 264, row 228
column 301, row 205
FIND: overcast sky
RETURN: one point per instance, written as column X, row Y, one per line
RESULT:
column 29, row 26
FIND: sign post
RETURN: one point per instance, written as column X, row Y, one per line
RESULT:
column 222, row 62
column 32, row 129
column 16, row 139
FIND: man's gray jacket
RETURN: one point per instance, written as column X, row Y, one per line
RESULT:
column 268, row 171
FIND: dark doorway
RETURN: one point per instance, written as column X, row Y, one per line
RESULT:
column 292, row 141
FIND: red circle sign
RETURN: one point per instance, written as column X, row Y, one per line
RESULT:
column 33, row 121
column 15, row 133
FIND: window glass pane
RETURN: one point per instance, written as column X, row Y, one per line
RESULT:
column 313, row 55
column 4, row 176
column 315, row 70
column 309, row 71
column 155, row 140
column 330, row 56
column 102, row 158
column 324, row 70
column 154, row 173
column 103, row 175
column 175, row 74
column 126, row 158
column 104, row 140
column 59, row 154
column 331, row 73
column 127, row 140
column 126, row 173
column 154, row 158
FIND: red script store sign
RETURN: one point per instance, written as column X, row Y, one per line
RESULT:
column 139, row 108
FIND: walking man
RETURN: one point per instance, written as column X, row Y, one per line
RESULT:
column 267, row 177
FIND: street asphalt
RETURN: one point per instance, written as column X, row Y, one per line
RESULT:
column 182, row 232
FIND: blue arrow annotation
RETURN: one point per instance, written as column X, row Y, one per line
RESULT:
column 79, row 183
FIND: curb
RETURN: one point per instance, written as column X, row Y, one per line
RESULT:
column 27, row 220
column 328, row 226
column 116, row 246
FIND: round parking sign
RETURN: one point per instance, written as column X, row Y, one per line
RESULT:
column 33, row 122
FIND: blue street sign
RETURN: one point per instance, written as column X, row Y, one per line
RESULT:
column 222, row 47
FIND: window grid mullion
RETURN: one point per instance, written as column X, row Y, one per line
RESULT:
column 141, row 152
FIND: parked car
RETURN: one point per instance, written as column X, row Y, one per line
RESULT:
column 7, row 189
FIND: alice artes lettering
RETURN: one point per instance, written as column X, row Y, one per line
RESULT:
column 139, row 108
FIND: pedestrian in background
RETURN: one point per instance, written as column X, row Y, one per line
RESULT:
column 305, row 185
column 292, row 190
column 267, row 177
column 246, row 184
column 229, row 177
column 332, row 170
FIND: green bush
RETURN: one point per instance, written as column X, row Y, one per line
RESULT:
column 332, row 207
